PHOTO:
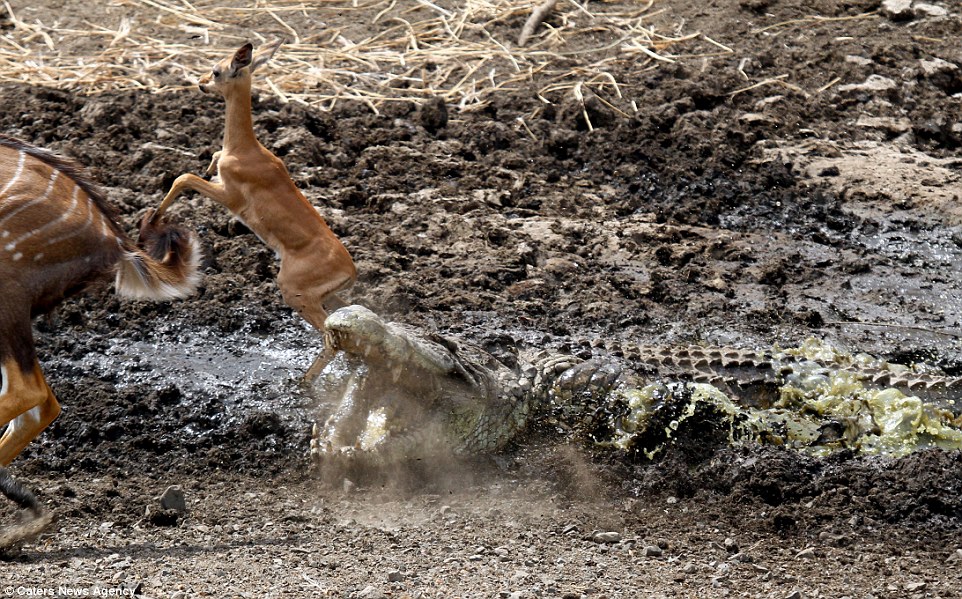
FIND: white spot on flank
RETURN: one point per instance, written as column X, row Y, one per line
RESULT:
column 17, row 256
column 38, row 257
column 4, row 234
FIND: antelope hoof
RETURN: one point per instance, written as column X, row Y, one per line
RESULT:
column 26, row 530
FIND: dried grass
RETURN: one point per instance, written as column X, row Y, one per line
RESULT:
column 397, row 49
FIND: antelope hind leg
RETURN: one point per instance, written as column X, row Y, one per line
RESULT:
column 331, row 303
column 27, row 406
column 33, row 524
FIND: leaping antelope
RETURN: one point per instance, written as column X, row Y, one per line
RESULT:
column 255, row 186
column 57, row 235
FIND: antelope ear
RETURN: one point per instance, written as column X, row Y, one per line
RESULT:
column 242, row 58
column 265, row 53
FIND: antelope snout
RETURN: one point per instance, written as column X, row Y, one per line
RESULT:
column 203, row 83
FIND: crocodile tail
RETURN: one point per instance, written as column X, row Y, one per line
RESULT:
column 164, row 264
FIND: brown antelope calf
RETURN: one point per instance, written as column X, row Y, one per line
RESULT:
column 255, row 186
column 57, row 235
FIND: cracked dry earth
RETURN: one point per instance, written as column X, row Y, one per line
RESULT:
column 715, row 214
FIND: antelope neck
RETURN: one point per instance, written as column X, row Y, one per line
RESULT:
column 239, row 128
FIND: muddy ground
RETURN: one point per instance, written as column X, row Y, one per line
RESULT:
column 823, row 197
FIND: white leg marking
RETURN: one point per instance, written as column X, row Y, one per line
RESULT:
column 31, row 415
column 16, row 174
column 24, row 206
column 6, row 380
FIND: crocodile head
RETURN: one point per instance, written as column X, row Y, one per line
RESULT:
column 395, row 389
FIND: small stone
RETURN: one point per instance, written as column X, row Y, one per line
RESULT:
column 769, row 101
column 671, row 500
column 519, row 576
column 755, row 118
column 807, row 553
column 874, row 83
column 173, row 499
column 741, row 557
column 891, row 125
column 348, row 486
column 796, row 594
column 936, row 66
column 371, row 592
column 924, row 9
column 956, row 555
column 731, row 545
column 897, row 10
column 858, row 60
column 915, row 586
column 395, row 576
column 716, row 284
column 653, row 551
column 606, row 537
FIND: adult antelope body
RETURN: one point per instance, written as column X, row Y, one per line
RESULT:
column 57, row 235
column 255, row 186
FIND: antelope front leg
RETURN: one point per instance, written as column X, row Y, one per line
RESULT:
column 212, row 167
column 214, row 191
column 27, row 404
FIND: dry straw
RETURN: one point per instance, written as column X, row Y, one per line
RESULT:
column 373, row 52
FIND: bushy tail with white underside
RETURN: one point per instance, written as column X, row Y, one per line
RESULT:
column 163, row 265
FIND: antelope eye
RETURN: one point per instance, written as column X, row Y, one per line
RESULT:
column 216, row 71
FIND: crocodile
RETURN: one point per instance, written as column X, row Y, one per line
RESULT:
column 399, row 394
